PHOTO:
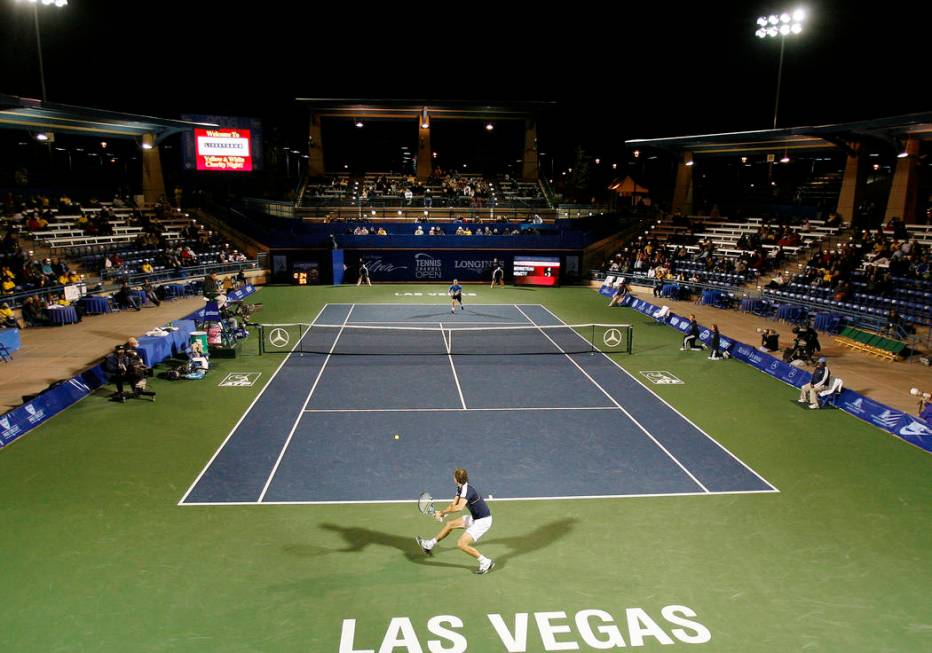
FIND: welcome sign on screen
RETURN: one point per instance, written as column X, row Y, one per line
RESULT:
column 223, row 149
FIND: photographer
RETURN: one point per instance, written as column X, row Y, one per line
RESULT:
column 125, row 367
column 769, row 340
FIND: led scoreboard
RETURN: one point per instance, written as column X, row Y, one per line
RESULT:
column 222, row 144
column 223, row 149
column 536, row 270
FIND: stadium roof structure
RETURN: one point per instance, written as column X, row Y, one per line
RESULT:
column 37, row 116
column 892, row 131
column 438, row 109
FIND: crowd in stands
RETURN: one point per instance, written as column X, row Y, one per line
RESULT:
column 442, row 188
column 20, row 271
column 652, row 259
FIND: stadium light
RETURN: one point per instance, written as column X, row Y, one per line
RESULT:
column 147, row 146
column 902, row 155
column 785, row 159
column 35, row 14
column 42, row 136
column 489, row 126
column 781, row 25
column 359, row 124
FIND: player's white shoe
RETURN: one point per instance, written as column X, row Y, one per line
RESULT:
column 421, row 542
column 484, row 569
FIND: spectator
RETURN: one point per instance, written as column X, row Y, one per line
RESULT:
column 7, row 318
column 125, row 298
column 151, row 293
column 34, row 312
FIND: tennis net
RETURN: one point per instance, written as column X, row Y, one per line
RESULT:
column 372, row 340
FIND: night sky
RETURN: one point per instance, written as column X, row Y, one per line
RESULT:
column 619, row 70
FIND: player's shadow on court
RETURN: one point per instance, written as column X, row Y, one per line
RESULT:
column 540, row 538
column 358, row 539
column 543, row 536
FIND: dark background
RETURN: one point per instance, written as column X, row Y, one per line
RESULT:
column 616, row 71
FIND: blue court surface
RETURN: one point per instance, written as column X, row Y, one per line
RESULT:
column 531, row 425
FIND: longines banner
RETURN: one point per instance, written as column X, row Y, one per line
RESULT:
column 412, row 265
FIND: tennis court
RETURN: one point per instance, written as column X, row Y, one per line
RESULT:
column 508, row 391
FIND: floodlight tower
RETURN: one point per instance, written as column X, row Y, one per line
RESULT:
column 35, row 13
column 781, row 25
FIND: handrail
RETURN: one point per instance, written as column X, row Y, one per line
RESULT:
column 185, row 273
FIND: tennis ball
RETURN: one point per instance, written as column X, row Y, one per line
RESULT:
column 397, row 437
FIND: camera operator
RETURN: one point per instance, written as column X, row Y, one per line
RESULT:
column 769, row 340
column 805, row 345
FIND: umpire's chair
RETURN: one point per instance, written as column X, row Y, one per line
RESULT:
column 830, row 397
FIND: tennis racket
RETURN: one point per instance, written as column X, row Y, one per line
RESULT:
column 425, row 503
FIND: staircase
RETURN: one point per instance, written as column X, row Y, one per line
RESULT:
column 822, row 189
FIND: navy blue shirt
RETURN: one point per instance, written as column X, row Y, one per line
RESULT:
column 456, row 290
column 474, row 501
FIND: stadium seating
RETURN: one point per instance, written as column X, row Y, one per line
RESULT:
column 874, row 344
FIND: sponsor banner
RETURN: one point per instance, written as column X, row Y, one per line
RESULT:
column 912, row 429
column 428, row 266
column 241, row 293
column 210, row 311
column 21, row 420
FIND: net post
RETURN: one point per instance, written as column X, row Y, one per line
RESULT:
column 630, row 338
column 592, row 347
column 261, row 339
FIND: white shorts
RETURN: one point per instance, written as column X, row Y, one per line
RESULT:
column 477, row 527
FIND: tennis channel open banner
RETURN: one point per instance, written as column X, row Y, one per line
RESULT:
column 407, row 265
column 912, row 429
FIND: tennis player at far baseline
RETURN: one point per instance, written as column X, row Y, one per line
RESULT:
column 456, row 295
column 476, row 523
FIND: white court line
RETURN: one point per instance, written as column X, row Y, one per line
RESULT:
column 303, row 408
column 449, row 410
column 586, row 497
column 243, row 416
column 422, row 322
column 409, row 304
column 665, row 403
column 453, row 367
column 620, row 407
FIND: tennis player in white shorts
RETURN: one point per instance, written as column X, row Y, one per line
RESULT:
column 476, row 523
